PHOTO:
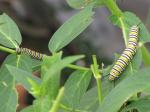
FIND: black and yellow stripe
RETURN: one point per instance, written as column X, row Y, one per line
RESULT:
column 30, row 52
column 127, row 54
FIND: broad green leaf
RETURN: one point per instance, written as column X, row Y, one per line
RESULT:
column 9, row 33
column 51, row 68
column 89, row 101
column 36, row 65
column 23, row 62
column 132, row 19
column 71, row 29
column 145, row 56
column 42, row 104
column 79, row 4
column 129, row 20
column 8, row 102
column 8, row 94
column 125, row 89
column 20, row 61
column 65, row 62
column 75, row 87
column 140, row 105
column 50, row 76
column 107, row 85
column 26, row 79
column 28, row 109
column 60, row 64
column 49, row 61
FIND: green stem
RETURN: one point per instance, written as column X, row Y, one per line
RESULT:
column 77, row 67
column 99, row 86
column 97, row 76
column 95, row 66
column 111, row 4
column 123, row 30
column 7, row 50
column 56, row 104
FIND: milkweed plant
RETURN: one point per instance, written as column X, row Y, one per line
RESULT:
column 129, row 92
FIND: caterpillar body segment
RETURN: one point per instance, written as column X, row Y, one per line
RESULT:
column 127, row 54
column 29, row 52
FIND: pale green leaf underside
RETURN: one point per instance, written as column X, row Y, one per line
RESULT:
column 142, row 105
column 71, row 29
column 79, row 4
column 75, row 88
column 125, row 89
column 9, row 33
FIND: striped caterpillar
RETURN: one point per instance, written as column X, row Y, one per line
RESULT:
column 127, row 54
column 29, row 52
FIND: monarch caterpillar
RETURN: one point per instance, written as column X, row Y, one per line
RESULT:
column 127, row 54
column 29, row 52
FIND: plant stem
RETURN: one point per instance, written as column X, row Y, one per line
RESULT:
column 7, row 50
column 77, row 67
column 123, row 30
column 97, row 76
column 111, row 4
column 99, row 86
column 57, row 101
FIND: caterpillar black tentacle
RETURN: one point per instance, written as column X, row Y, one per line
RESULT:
column 30, row 52
column 127, row 54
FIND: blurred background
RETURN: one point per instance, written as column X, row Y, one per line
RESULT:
column 39, row 19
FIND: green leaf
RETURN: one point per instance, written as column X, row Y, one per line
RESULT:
column 42, row 104
column 28, row 109
column 145, row 56
column 75, row 87
column 125, row 89
column 89, row 101
column 131, row 19
column 20, row 61
column 71, row 29
column 51, row 69
column 25, row 78
column 36, row 65
column 8, row 94
column 50, row 75
column 9, row 33
column 49, row 61
column 54, row 68
column 140, row 105
column 8, row 102
column 107, row 85
column 79, row 4
column 23, row 62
